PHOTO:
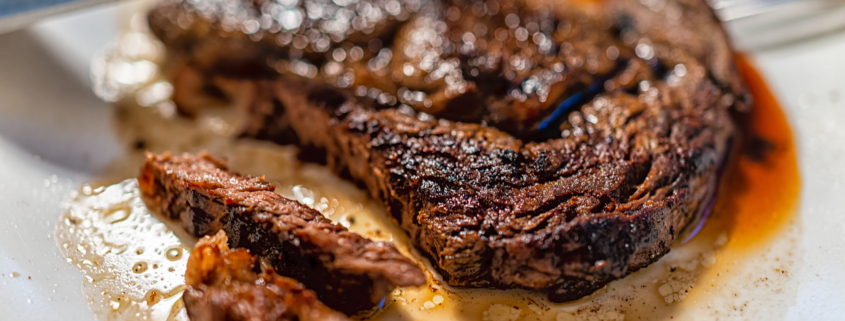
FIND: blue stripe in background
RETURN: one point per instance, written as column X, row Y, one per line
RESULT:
column 13, row 7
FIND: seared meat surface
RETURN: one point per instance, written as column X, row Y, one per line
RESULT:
column 521, row 145
column 518, row 65
column 348, row 272
column 569, row 214
column 228, row 285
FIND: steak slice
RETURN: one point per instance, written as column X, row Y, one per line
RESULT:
column 348, row 272
column 228, row 285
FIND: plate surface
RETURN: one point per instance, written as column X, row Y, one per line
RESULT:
column 56, row 135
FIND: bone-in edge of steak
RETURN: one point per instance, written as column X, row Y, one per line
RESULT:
column 228, row 285
column 348, row 272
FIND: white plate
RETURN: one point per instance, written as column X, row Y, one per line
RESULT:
column 56, row 135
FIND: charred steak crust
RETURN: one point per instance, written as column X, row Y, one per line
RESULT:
column 348, row 272
column 519, row 146
column 493, row 211
column 228, row 285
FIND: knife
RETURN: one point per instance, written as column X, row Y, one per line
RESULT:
column 763, row 24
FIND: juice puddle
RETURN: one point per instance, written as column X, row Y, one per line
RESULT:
column 756, row 207
column 760, row 190
column 134, row 266
column 738, row 267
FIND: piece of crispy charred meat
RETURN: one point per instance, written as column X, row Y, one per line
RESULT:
column 228, row 285
column 348, row 272
column 556, row 146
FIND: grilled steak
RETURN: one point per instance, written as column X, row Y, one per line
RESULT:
column 228, row 285
column 348, row 272
column 519, row 146
column 569, row 214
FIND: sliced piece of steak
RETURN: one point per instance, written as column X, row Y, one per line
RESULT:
column 348, row 272
column 228, row 285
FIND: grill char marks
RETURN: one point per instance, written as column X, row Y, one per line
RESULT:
column 228, row 285
column 348, row 272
